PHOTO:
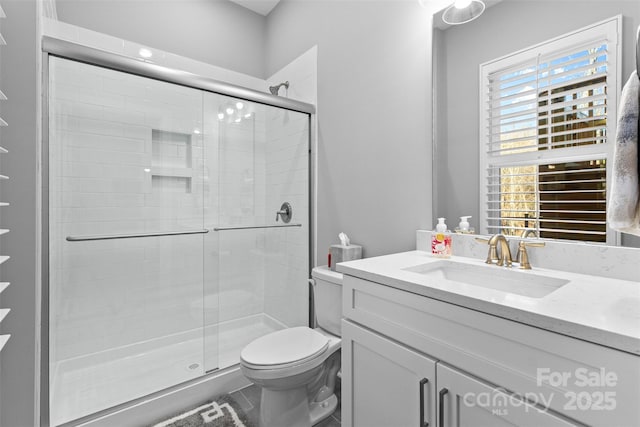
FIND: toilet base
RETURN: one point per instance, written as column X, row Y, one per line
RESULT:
column 291, row 408
column 284, row 408
column 318, row 411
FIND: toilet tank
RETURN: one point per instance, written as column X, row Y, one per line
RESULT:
column 327, row 296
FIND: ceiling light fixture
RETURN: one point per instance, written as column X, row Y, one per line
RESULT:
column 145, row 53
column 463, row 11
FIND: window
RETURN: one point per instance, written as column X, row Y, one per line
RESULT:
column 547, row 118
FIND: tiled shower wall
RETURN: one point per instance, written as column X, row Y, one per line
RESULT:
column 242, row 203
column 105, row 179
column 287, row 164
column 289, row 136
column 265, row 270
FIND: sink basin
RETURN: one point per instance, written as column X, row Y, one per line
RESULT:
column 503, row 279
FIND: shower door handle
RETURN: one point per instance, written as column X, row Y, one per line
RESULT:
column 285, row 212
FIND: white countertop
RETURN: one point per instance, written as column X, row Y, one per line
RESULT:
column 591, row 308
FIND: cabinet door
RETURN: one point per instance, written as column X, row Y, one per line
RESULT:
column 466, row 401
column 384, row 384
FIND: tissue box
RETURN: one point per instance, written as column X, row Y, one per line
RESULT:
column 342, row 253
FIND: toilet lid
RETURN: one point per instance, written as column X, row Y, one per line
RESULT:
column 285, row 346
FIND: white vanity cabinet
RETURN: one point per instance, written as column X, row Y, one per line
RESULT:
column 407, row 356
column 388, row 384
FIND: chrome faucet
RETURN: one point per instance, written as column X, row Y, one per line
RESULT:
column 502, row 258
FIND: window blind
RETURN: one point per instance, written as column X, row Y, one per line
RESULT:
column 3, row 258
column 547, row 114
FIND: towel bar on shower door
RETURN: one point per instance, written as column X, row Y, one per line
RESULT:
column 133, row 235
column 169, row 233
column 249, row 227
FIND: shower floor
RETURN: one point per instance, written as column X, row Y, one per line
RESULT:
column 88, row 384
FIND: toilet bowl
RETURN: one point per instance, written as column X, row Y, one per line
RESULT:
column 297, row 367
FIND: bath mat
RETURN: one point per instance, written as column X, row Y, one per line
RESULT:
column 224, row 411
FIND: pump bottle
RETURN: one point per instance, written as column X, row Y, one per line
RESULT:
column 464, row 227
column 441, row 240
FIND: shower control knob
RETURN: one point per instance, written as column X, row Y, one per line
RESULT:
column 285, row 212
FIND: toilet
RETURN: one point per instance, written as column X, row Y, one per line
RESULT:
column 297, row 368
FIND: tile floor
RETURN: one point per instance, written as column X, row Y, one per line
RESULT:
column 249, row 400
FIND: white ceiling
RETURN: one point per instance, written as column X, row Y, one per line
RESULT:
column 263, row 7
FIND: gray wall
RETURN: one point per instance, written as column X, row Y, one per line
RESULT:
column 374, row 107
column 213, row 31
column 458, row 59
column 19, row 74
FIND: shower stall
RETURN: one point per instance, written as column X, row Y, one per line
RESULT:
column 168, row 242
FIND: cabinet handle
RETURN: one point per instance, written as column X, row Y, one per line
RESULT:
column 441, row 405
column 422, row 422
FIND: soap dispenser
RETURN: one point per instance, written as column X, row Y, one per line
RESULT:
column 441, row 240
column 463, row 227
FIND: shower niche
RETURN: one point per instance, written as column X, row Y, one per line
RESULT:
column 171, row 161
column 164, row 255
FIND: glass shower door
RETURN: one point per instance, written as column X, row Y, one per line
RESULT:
column 166, row 256
column 128, row 189
column 262, row 263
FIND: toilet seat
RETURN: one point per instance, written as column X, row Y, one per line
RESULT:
column 285, row 348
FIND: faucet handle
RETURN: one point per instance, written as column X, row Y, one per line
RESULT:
column 525, row 233
column 492, row 255
column 523, row 257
